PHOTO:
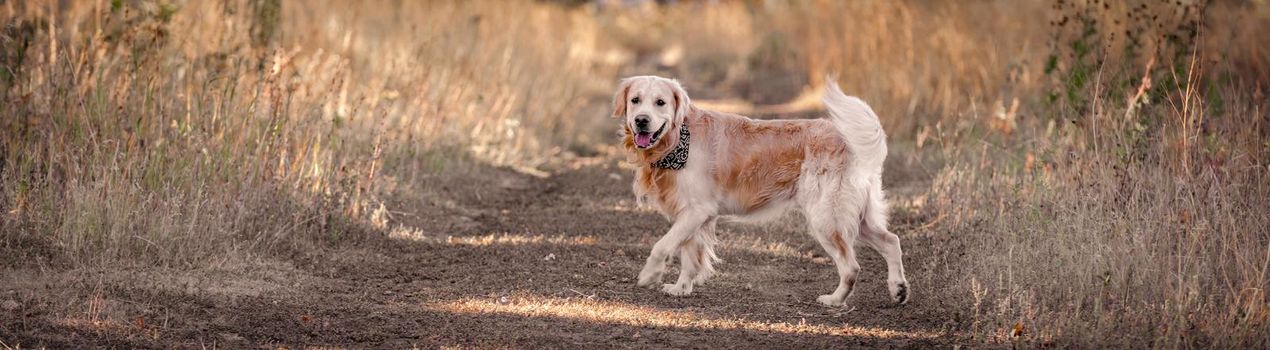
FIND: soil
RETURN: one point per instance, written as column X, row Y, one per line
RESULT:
column 501, row 259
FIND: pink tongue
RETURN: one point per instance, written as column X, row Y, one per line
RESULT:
column 643, row 140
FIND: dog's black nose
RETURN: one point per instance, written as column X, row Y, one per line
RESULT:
column 641, row 122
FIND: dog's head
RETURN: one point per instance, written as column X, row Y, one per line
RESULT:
column 651, row 107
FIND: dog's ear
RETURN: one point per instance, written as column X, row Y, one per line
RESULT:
column 681, row 99
column 619, row 98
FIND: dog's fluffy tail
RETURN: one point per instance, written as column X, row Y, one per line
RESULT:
column 861, row 129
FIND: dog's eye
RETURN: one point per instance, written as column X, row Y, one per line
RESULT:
column 635, row 100
column 661, row 102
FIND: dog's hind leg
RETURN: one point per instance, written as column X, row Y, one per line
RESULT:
column 873, row 232
column 838, row 242
column 826, row 218
column 833, row 211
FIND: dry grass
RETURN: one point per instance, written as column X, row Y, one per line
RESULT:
column 1096, row 207
column 1129, row 209
column 172, row 132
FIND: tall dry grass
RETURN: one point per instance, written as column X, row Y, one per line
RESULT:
column 184, row 133
column 1124, row 204
column 1103, row 165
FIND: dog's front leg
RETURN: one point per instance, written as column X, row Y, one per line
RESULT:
column 696, row 257
column 683, row 228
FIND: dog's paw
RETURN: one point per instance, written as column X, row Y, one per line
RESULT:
column 676, row 290
column 900, row 292
column 702, row 276
column 830, row 300
column 649, row 279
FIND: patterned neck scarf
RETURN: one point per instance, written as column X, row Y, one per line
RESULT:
column 677, row 157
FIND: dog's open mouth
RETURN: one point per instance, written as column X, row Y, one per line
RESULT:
column 644, row 139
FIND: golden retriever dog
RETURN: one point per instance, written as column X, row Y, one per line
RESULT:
column 696, row 166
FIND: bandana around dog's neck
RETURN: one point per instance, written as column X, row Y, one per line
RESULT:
column 677, row 157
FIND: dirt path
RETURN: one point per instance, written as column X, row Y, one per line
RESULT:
column 504, row 260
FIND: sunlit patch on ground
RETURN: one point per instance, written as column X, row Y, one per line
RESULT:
column 767, row 247
column 640, row 316
column 407, row 233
